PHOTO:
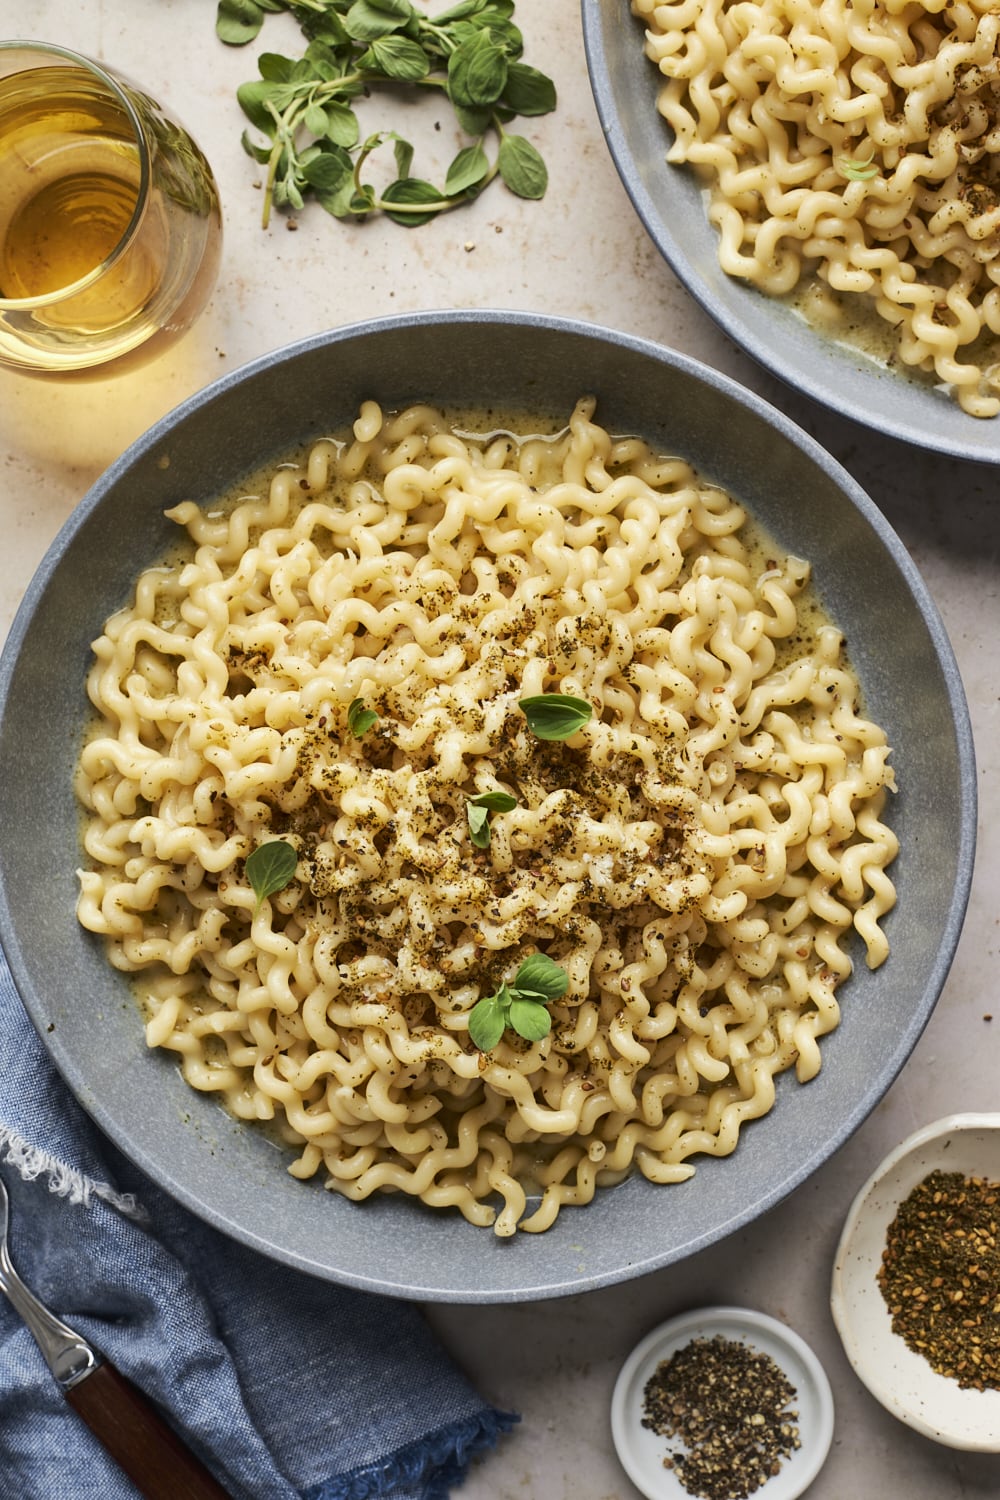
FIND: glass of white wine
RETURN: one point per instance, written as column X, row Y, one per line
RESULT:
column 110, row 228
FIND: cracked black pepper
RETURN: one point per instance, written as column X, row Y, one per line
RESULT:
column 730, row 1405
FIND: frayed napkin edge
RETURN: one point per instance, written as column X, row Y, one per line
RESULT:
column 431, row 1467
column 31, row 1163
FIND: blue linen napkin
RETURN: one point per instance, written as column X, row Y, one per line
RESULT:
column 288, row 1388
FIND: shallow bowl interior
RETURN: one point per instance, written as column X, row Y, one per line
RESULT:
column 84, row 1010
column 670, row 202
column 903, row 1380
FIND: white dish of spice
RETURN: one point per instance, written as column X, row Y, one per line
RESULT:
column 721, row 1403
column 916, row 1282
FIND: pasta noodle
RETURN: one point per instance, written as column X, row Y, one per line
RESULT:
column 694, row 857
column 857, row 141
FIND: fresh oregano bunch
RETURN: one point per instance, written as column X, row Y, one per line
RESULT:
column 304, row 108
column 521, row 1005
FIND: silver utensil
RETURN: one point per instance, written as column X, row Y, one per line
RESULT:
column 119, row 1415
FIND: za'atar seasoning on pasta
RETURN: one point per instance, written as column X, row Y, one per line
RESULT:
column 493, row 960
column 730, row 1408
column 940, row 1276
column 854, row 145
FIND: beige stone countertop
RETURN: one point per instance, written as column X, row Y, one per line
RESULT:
column 581, row 252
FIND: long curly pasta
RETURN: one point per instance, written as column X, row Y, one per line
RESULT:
column 693, row 857
column 857, row 141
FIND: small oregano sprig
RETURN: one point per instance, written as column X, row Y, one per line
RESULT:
column 555, row 716
column 359, row 718
column 270, row 868
column 521, row 1005
column 858, row 168
column 470, row 52
column 478, row 809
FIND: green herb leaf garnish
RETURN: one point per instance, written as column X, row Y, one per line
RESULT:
column 521, row 1005
column 359, row 718
column 529, row 1018
column 541, row 978
column 478, row 809
column 488, row 1019
column 304, row 108
column 479, row 826
column 521, row 167
column 239, row 21
column 555, row 716
column 857, row 169
column 270, row 867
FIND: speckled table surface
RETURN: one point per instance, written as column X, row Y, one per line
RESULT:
column 581, row 252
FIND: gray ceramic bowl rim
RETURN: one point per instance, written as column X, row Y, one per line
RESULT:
column 68, row 1065
column 668, row 201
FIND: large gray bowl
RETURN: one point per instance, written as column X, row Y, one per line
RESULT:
column 670, row 202
column 84, row 1010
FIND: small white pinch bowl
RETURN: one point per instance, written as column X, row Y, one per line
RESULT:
column 901, row 1379
column 641, row 1451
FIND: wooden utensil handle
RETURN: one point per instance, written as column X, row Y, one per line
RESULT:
column 136, row 1436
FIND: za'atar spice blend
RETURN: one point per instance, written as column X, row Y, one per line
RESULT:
column 940, row 1276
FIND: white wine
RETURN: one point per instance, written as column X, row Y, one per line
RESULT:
column 70, row 173
column 63, row 232
column 109, row 220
